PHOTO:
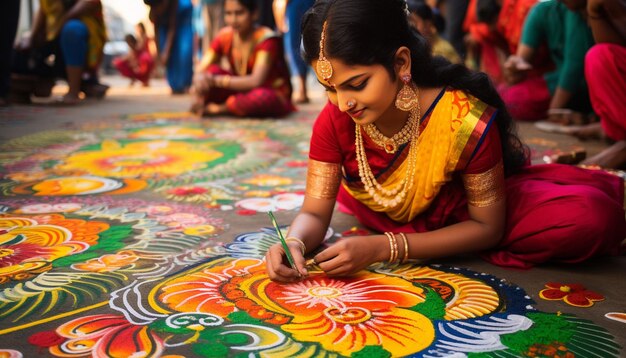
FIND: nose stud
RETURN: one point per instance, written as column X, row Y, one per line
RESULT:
column 351, row 103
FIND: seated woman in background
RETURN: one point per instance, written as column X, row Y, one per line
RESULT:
column 257, row 82
column 561, row 94
column 425, row 20
column 137, row 64
column 72, row 31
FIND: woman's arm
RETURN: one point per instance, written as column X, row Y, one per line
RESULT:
column 599, row 16
column 260, row 71
column 482, row 231
column 310, row 226
column 37, row 34
column 209, row 58
column 171, row 32
column 311, row 223
column 517, row 66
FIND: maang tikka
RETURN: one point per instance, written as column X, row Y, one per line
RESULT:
column 324, row 67
column 407, row 99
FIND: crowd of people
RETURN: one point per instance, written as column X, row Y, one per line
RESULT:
column 418, row 137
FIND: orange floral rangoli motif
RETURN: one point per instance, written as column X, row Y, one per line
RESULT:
column 28, row 245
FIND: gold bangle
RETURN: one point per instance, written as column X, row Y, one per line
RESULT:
column 393, row 247
column 406, row 248
column 225, row 81
column 300, row 242
column 390, row 246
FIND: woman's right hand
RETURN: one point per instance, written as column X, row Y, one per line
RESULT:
column 515, row 69
column 202, row 82
column 278, row 268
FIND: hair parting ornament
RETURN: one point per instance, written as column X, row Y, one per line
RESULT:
column 324, row 67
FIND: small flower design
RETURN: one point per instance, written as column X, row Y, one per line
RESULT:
column 573, row 294
column 355, row 231
column 187, row 191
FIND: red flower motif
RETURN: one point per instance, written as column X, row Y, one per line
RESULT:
column 572, row 293
column 45, row 339
column 297, row 164
column 187, row 191
column 354, row 231
column 105, row 335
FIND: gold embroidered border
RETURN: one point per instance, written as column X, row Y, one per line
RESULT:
column 486, row 188
column 322, row 179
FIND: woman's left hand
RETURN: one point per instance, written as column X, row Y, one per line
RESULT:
column 352, row 254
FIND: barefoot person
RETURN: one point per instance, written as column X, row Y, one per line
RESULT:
column 257, row 82
column 71, row 32
column 559, row 94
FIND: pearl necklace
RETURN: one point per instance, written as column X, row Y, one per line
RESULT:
column 389, row 197
column 390, row 145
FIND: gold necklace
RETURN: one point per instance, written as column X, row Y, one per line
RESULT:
column 390, row 145
column 242, row 55
column 382, row 196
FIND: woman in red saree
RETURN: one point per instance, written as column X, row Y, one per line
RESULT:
column 424, row 151
column 257, row 82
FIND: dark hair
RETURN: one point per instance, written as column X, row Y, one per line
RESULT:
column 487, row 11
column 152, row 2
column 129, row 38
column 420, row 8
column 251, row 5
column 368, row 32
column 425, row 12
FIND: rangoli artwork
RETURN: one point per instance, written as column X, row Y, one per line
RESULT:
column 214, row 164
column 119, row 242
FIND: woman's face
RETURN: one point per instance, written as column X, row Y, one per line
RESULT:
column 238, row 16
column 370, row 88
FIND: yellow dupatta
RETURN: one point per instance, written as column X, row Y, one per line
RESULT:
column 446, row 144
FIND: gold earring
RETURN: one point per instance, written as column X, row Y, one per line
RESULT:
column 407, row 99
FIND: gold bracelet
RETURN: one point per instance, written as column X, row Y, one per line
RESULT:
column 300, row 242
column 406, row 248
column 225, row 81
column 393, row 247
column 390, row 246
